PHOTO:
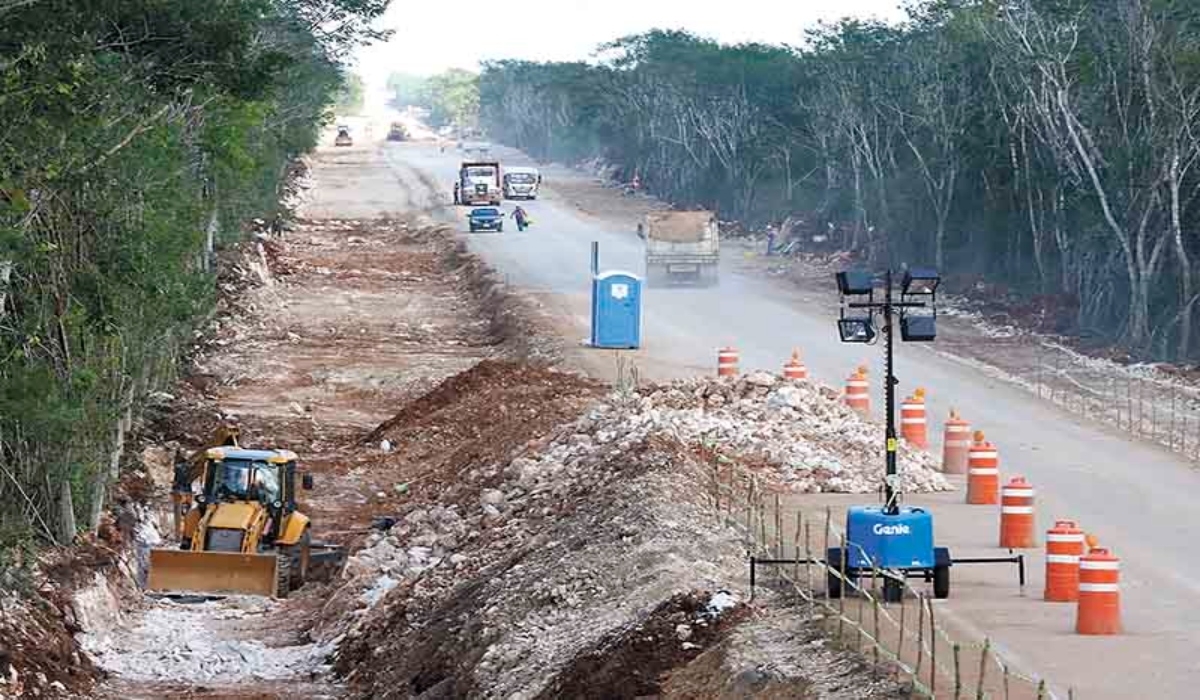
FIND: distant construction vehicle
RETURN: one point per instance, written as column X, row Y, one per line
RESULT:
column 478, row 183
column 397, row 132
column 682, row 247
column 343, row 137
column 240, row 530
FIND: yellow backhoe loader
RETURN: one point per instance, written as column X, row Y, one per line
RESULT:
column 238, row 527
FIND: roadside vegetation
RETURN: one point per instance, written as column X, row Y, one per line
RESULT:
column 1046, row 146
column 136, row 138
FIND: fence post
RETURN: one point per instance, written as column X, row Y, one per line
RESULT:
column 920, row 636
column 957, row 674
column 1006, row 682
column 825, row 553
column 900, row 644
column 1041, row 690
column 845, row 590
column 987, row 645
column 1128, row 404
column 932, row 651
column 1153, row 416
column 750, row 506
column 762, row 525
column 778, row 529
column 875, row 632
column 812, row 598
column 796, row 546
column 1174, row 396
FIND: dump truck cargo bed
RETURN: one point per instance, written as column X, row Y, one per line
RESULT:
column 682, row 247
column 179, row 570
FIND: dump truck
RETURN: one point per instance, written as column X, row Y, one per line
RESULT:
column 478, row 183
column 682, row 247
column 238, row 525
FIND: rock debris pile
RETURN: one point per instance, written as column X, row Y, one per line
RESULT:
column 519, row 567
column 814, row 442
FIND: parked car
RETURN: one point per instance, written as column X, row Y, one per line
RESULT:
column 486, row 219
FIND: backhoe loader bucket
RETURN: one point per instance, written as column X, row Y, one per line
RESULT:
column 179, row 570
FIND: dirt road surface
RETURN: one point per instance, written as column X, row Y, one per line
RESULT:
column 1137, row 498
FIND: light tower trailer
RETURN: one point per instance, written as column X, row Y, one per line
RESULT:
column 892, row 540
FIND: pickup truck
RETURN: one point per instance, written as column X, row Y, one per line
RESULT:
column 682, row 247
column 486, row 219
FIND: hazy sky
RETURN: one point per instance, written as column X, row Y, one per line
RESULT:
column 433, row 36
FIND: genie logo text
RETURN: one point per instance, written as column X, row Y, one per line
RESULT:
column 881, row 529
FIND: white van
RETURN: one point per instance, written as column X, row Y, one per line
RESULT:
column 521, row 182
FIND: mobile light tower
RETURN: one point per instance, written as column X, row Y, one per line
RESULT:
column 890, row 539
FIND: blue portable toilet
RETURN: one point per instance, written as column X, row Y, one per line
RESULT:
column 616, row 310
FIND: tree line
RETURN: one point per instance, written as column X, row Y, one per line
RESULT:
column 451, row 97
column 136, row 137
column 1049, row 146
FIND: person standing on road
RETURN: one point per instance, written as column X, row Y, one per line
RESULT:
column 521, row 217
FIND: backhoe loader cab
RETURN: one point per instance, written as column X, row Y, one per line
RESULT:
column 242, row 532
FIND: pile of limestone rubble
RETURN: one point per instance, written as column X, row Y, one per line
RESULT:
column 814, row 441
column 616, row 505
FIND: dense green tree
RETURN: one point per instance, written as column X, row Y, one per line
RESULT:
column 1047, row 145
column 135, row 137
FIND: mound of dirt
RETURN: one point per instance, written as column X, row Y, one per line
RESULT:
column 38, row 655
column 533, row 572
column 632, row 662
column 478, row 417
column 546, row 581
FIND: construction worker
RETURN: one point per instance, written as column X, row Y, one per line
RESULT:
column 521, row 217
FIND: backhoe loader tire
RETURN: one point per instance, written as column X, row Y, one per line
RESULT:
column 298, row 559
column 283, row 575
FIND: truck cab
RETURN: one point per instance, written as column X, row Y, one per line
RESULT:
column 521, row 183
column 478, row 184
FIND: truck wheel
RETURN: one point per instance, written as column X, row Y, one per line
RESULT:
column 472, row 229
column 941, row 582
column 833, row 582
column 710, row 276
column 283, row 575
column 500, row 229
column 893, row 590
column 299, row 556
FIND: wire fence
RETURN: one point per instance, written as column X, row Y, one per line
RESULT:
column 1153, row 407
column 904, row 639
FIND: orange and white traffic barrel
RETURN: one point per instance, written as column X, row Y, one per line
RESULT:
column 1016, row 514
column 795, row 369
column 1099, row 610
column 1064, row 547
column 912, row 420
column 727, row 362
column 956, row 444
column 858, row 391
column 983, row 472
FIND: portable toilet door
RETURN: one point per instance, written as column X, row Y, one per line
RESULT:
column 616, row 310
